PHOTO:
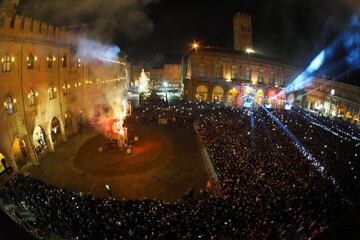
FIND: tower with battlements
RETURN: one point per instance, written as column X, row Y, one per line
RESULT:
column 242, row 32
column 8, row 7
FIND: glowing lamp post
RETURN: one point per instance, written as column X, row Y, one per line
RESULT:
column 332, row 93
column 249, row 50
column 194, row 46
column 165, row 85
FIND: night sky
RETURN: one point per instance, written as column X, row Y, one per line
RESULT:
column 293, row 31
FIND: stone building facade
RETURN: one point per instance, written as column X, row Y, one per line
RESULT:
column 232, row 76
column 333, row 99
column 47, row 92
column 222, row 75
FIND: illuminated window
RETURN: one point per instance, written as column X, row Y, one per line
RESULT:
column 66, row 88
column 50, row 60
column 52, row 92
column 271, row 78
column 234, row 72
column 78, row 62
column 247, row 74
column 202, row 70
column 64, row 61
column 30, row 61
column 31, row 97
column 218, row 71
column 6, row 63
column 261, row 76
column 9, row 105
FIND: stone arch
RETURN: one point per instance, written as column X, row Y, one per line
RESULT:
column 40, row 140
column 348, row 116
column 217, row 94
column 259, row 97
column 21, row 153
column 232, row 96
column 201, row 93
column 3, row 164
column 56, row 132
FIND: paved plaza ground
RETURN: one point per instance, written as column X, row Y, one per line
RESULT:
column 166, row 162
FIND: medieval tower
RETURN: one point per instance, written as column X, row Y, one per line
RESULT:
column 242, row 32
column 8, row 7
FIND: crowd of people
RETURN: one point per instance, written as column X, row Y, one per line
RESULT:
column 269, row 189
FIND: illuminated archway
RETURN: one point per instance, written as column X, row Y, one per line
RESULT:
column 39, row 140
column 3, row 164
column 348, row 116
column 232, row 97
column 259, row 97
column 202, row 93
column 217, row 94
column 57, row 131
column 20, row 152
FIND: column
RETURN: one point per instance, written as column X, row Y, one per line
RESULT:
column 49, row 142
column 31, row 150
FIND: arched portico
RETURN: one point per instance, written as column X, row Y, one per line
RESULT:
column 232, row 96
column 56, row 132
column 217, row 94
column 21, row 153
column 201, row 93
column 40, row 140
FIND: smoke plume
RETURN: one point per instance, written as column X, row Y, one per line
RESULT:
column 103, row 18
column 90, row 50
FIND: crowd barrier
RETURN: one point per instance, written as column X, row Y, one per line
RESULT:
column 208, row 164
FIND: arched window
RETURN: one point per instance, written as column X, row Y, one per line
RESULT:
column 9, row 105
column 202, row 70
column 6, row 63
column 52, row 92
column 78, row 62
column 50, row 59
column 218, row 71
column 31, row 97
column 247, row 74
column 234, row 72
column 64, row 61
column 271, row 78
column 30, row 61
column 261, row 76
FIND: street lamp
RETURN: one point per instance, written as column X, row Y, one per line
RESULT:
column 332, row 92
column 165, row 85
column 249, row 50
column 195, row 45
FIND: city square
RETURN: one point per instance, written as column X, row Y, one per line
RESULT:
column 179, row 120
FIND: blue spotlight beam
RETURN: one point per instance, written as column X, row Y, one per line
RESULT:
column 349, row 40
column 313, row 161
column 343, row 135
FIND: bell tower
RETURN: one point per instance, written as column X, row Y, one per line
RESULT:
column 8, row 7
column 242, row 32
